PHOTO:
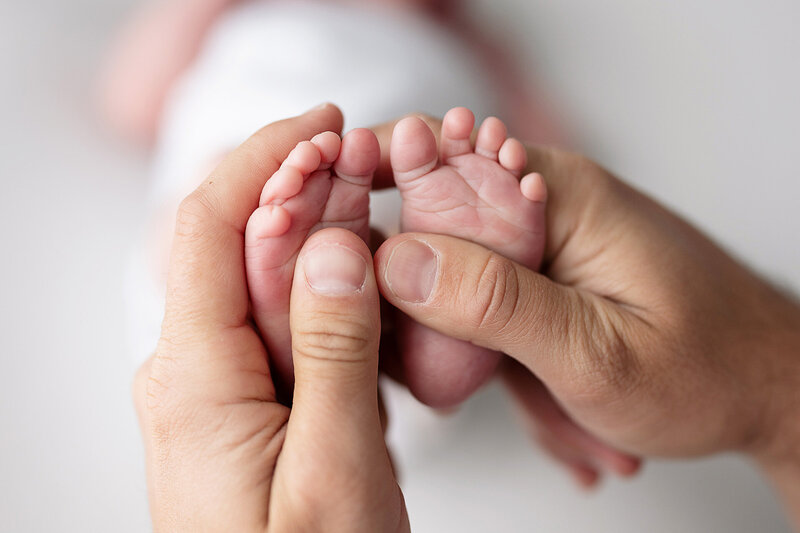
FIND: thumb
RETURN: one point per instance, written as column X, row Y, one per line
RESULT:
column 334, row 467
column 335, row 325
column 468, row 292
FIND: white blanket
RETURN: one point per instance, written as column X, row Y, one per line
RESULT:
column 267, row 60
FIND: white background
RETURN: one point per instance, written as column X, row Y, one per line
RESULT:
column 693, row 101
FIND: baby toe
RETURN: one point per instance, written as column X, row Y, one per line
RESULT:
column 534, row 188
column 456, row 131
column 285, row 183
column 328, row 143
column 359, row 157
column 491, row 136
column 513, row 157
column 305, row 157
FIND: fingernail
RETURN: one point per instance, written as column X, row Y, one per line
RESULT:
column 334, row 270
column 411, row 271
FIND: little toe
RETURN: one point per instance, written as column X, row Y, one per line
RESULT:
column 534, row 188
column 305, row 157
column 413, row 151
column 268, row 221
column 358, row 157
column 456, row 131
column 328, row 143
column 513, row 156
column 491, row 136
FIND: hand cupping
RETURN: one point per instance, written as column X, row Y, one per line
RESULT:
column 638, row 334
column 223, row 454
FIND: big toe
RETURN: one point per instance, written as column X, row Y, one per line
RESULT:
column 413, row 151
column 359, row 157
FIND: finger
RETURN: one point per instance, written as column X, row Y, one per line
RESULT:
column 335, row 430
column 581, row 471
column 581, row 467
column 468, row 292
column 335, row 323
column 569, row 192
column 207, row 304
column 542, row 411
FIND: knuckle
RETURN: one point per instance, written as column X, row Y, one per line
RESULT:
column 334, row 338
column 193, row 215
column 496, row 295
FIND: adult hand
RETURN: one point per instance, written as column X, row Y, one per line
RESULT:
column 584, row 455
column 647, row 334
column 222, row 454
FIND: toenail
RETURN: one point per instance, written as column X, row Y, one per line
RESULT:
column 411, row 271
column 334, row 270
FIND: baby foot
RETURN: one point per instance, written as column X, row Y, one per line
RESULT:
column 475, row 194
column 323, row 182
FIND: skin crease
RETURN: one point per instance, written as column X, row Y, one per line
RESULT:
column 222, row 454
column 649, row 335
